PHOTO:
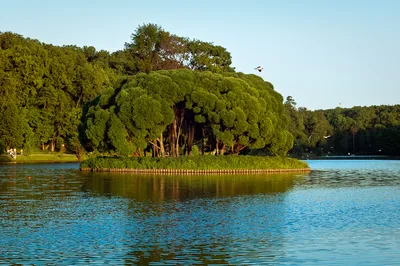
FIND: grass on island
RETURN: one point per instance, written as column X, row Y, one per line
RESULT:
column 195, row 163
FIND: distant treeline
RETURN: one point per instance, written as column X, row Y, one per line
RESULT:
column 43, row 89
column 372, row 130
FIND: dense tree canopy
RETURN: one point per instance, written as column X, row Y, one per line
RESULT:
column 171, row 110
column 138, row 99
column 373, row 130
column 153, row 48
column 43, row 87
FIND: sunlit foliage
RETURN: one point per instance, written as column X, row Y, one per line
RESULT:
column 169, row 111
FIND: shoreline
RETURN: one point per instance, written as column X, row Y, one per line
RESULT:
column 38, row 161
column 40, row 158
column 193, row 171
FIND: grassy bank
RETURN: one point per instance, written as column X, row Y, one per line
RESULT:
column 40, row 157
column 194, row 163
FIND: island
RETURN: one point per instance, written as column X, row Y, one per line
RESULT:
column 188, row 121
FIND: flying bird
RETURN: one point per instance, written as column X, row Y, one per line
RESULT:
column 325, row 137
column 259, row 68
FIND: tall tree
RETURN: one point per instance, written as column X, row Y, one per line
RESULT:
column 12, row 127
column 207, row 56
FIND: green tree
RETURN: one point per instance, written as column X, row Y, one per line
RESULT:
column 207, row 56
column 12, row 127
column 232, row 111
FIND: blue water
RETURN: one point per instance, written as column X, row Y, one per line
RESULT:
column 342, row 213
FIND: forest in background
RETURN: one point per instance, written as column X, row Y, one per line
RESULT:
column 44, row 87
column 368, row 130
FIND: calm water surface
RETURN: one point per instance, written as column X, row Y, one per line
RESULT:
column 342, row 213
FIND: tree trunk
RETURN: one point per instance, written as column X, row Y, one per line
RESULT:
column 172, row 138
column 190, row 138
column 52, row 144
column 354, row 130
column 176, row 128
column 155, row 148
column 177, row 142
column 222, row 148
column 78, row 101
column 202, row 141
column 162, row 149
column 238, row 148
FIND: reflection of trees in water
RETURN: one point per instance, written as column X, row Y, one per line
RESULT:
column 157, row 188
column 200, row 219
column 227, row 251
column 28, row 192
column 182, row 219
column 34, row 184
column 198, row 255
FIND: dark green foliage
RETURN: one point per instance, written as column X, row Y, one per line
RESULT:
column 168, row 111
column 372, row 130
column 152, row 48
column 195, row 163
column 2, row 147
column 46, row 85
column 117, row 135
column 12, row 127
column 97, row 127
column 29, row 144
column 205, row 56
column 49, row 84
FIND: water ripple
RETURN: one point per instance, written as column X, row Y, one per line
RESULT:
column 60, row 216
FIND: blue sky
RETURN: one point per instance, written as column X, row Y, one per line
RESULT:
column 323, row 53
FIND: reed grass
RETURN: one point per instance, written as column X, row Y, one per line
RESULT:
column 195, row 163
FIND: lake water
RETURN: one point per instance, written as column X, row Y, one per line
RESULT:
column 342, row 213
